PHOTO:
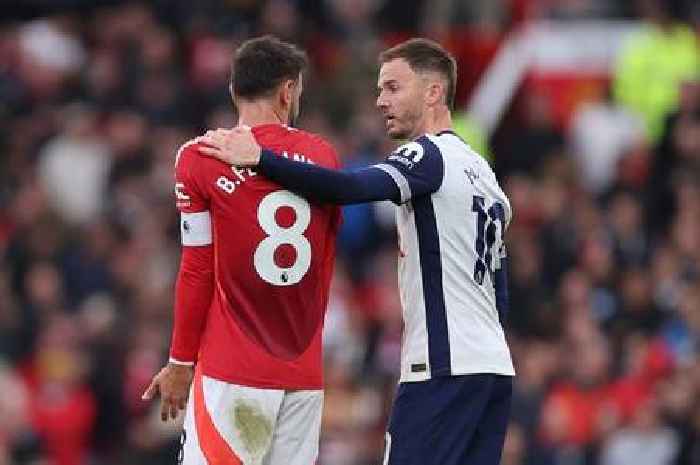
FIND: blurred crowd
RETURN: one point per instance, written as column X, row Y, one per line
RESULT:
column 97, row 96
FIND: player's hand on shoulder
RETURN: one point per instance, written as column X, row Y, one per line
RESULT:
column 173, row 384
column 235, row 146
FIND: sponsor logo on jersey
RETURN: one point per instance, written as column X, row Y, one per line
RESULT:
column 472, row 175
column 408, row 155
column 182, row 199
column 419, row 367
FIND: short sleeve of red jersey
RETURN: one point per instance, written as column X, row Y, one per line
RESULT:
column 329, row 154
column 189, row 195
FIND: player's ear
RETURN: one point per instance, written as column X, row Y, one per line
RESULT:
column 287, row 92
column 434, row 92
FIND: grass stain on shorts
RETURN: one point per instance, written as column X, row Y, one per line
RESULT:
column 254, row 427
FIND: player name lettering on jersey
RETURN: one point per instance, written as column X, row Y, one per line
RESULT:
column 242, row 175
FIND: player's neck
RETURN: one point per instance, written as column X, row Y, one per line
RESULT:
column 436, row 120
column 257, row 113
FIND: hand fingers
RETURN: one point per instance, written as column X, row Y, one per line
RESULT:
column 220, row 133
column 170, row 405
column 210, row 141
column 205, row 140
column 173, row 409
column 215, row 132
column 219, row 137
column 151, row 390
column 209, row 138
column 212, row 138
column 164, row 409
column 211, row 151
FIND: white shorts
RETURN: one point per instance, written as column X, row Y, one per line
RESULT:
column 227, row 424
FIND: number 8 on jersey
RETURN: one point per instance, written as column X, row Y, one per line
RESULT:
column 264, row 257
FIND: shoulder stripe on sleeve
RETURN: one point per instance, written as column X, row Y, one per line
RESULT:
column 399, row 179
column 183, row 147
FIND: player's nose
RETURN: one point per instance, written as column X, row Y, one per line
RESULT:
column 382, row 104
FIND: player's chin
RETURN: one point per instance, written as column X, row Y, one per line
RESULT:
column 396, row 133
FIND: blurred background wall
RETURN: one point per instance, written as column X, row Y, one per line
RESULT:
column 589, row 111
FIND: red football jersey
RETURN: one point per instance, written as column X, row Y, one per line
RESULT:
column 274, row 253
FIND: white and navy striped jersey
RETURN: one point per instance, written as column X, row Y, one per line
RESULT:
column 450, row 221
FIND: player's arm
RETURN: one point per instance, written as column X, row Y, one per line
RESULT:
column 194, row 290
column 326, row 185
column 413, row 170
column 501, row 274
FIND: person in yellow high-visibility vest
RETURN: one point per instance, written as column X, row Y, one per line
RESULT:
column 653, row 64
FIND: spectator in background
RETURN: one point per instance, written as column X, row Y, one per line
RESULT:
column 51, row 55
column 74, row 166
column 579, row 409
column 538, row 361
column 601, row 133
column 533, row 142
column 577, row 9
column 62, row 407
column 636, row 310
column 682, row 332
column 18, row 442
column 677, row 155
column 626, row 226
column 645, row 442
column 514, row 448
column 655, row 62
column 678, row 402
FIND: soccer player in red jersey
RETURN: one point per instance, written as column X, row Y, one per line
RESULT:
column 253, row 284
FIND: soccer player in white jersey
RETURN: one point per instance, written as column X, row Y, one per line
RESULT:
column 453, row 400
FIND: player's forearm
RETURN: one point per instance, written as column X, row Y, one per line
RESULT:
column 194, row 290
column 326, row 185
